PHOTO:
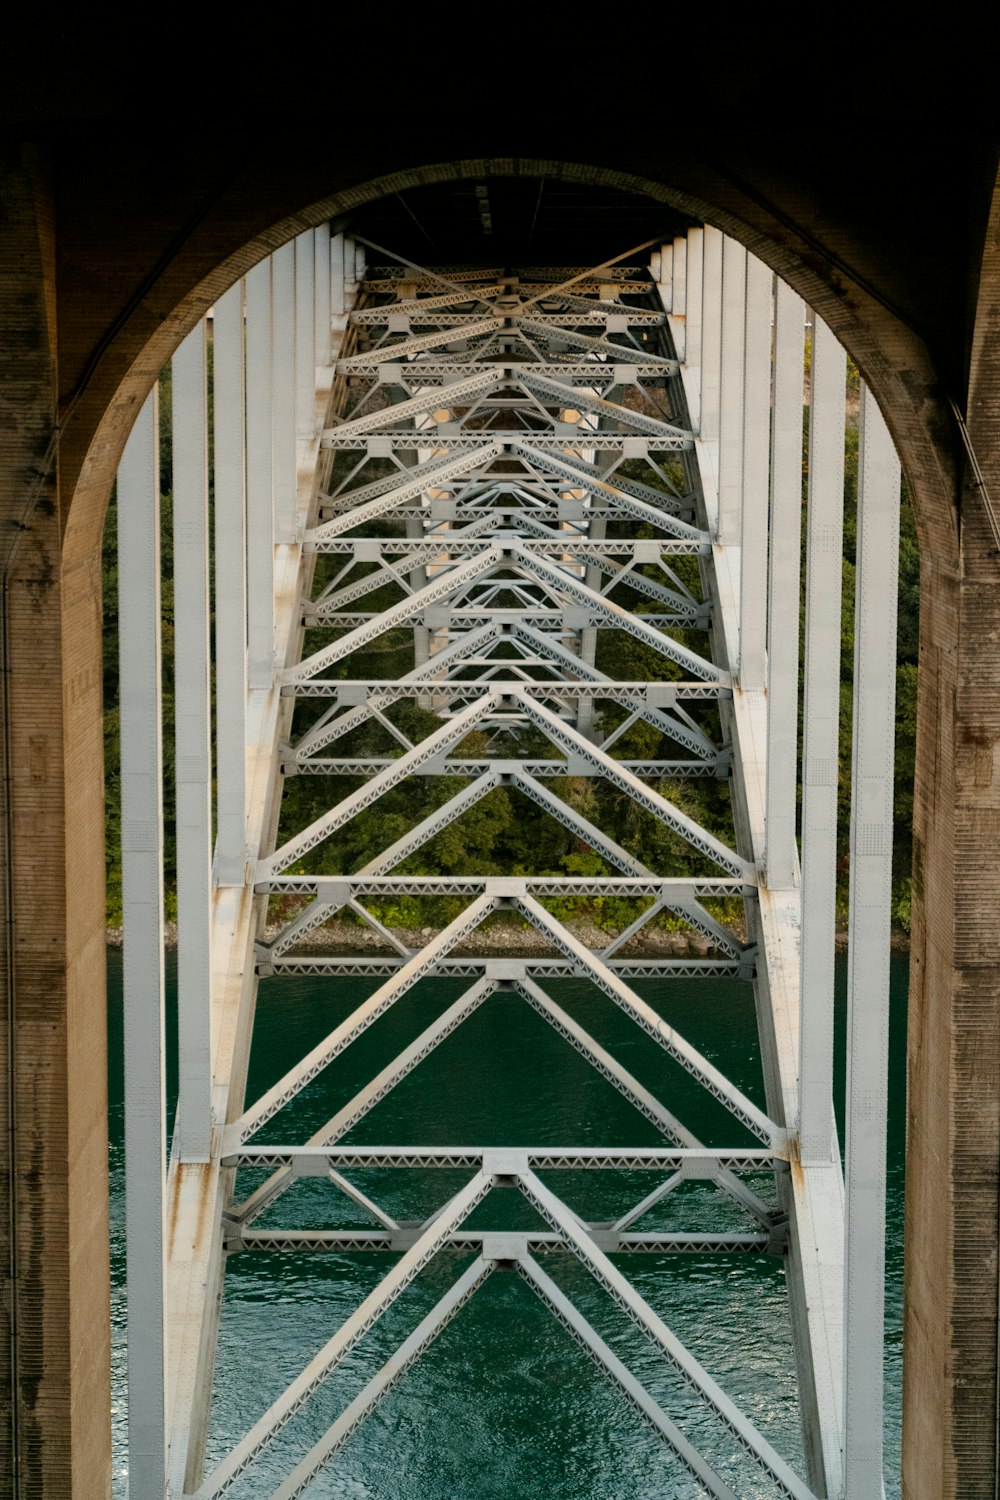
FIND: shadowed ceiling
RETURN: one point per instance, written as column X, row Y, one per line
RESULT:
column 508, row 221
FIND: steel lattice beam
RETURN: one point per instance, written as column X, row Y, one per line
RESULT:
column 515, row 490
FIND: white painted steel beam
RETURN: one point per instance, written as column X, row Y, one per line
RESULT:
column 666, row 1036
column 197, row 1195
column 138, row 515
column 637, row 1095
column 821, row 740
column 868, row 950
column 687, row 1366
column 783, row 590
column 679, row 307
column 322, row 309
column 338, row 304
column 711, row 339
column 344, row 1340
column 193, row 745
column 259, row 479
column 733, row 383
column 305, row 335
column 351, row 1113
column 755, row 474
column 283, row 388
column 230, row 588
column 296, row 1079
column 381, row 1383
column 634, row 1393
column 814, row 1199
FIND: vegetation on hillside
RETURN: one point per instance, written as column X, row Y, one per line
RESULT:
column 505, row 833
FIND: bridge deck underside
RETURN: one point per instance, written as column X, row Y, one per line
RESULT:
column 512, row 496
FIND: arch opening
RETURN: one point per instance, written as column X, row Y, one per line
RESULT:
column 572, row 416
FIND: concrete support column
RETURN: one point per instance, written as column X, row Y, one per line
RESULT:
column 193, row 721
column 55, row 1428
column 868, row 955
column 142, row 907
column 950, row 1387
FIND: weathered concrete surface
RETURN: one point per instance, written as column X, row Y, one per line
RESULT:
column 111, row 264
column 953, row 1114
column 55, row 1431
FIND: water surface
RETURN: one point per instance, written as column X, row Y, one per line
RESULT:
column 504, row 1405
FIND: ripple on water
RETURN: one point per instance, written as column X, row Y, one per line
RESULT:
column 504, row 1406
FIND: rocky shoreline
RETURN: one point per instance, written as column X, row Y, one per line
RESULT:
column 344, row 938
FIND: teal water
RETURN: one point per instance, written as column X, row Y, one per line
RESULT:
column 504, row 1406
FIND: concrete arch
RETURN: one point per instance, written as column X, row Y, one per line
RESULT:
column 891, row 355
column 91, row 329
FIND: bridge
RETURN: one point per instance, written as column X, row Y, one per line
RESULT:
column 524, row 471
column 508, row 466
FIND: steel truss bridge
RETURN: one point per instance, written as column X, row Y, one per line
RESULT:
column 508, row 471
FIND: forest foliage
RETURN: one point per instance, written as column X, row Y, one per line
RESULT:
column 505, row 833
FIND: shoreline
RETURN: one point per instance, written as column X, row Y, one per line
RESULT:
column 344, row 938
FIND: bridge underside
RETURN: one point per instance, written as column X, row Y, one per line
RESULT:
column 565, row 504
column 53, row 921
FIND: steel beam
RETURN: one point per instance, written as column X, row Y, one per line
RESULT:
column 259, row 479
column 813, row 1199
column 142, row 923
column 637, row 1095
column 296, row 1079
column 283, row 330
column 754, row 455
column 322, row 309
column 752, row 1442
column 305, row 335
column 735, row 374
column 381, row 1383
column 197, row 1192
column 868, row 951
column 711, row 341
column 783, row 586
column 634, row 1393
column 230, row 588
column 193, row 746
column 697, row 1162
column 338, row 305
column 821, row 740
column 322, row 1365
column 442, row 739
column 667, row 1037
